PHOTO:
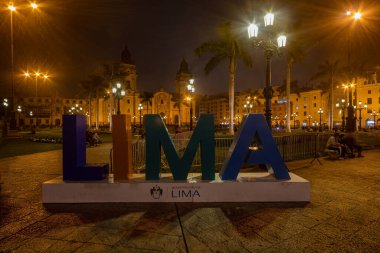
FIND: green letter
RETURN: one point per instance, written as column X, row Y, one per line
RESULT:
column 157, row 136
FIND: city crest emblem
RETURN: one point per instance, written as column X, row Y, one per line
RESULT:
column 156, row 192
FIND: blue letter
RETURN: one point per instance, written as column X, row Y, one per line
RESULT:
column 74, row 151
column 254, row 127
column 157, row 135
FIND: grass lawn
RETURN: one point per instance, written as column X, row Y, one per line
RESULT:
column 23, row 145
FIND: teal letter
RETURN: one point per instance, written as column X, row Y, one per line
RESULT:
column 157, row 136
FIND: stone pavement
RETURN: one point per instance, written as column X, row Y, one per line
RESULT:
column 343, row 216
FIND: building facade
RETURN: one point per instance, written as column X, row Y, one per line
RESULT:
column 174, row 108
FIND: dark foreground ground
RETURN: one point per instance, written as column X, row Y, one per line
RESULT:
column 343, row 216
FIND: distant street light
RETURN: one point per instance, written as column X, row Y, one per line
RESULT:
column 309, row 117
column 140, row 108
column 248, row 105
column 118, row 92
column 320, row 111
column 267, row 41
column 76, row 109
column 374, row 115
column 12, row 9
column 351, row 123
column 36, row 75
column 191, row 90
column 342, row 105
column 360, row 108
column 294, row 115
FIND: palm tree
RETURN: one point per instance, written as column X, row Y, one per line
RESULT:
column 97, row 85
column 329, row 70
column 146, row 98
column 89, row 91
column 295, row 52
column 228, row 46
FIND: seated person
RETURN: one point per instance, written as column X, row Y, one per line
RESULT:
column 333, row 144
column 351, row 142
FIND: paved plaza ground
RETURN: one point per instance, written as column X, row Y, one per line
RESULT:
column 343, row 215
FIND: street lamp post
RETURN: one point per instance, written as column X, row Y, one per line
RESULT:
column 353, row 16
column 191, row 90
column 294, row 115
column 248, row 106
column 140, row 108
column 350, row 110
column 320, row 111
column 276, row 118
column 360, row 108
column 343, row 105
column 309, row 117
column 12, row 123
column 12, row 9
column 266, row 41
column 374, row 115
column 118, row 92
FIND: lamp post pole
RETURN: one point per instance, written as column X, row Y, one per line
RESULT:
column 360, row 108
column 309, row 117
column 350, row 111
column 320, row 111
column 294, row 115
column 140, row 108
column 13, row 120
column 191, row 90
column 118, row 92
column 267, row 42
column 374, row 114
column 12, row 9
column 343, row 105
column 355, row 16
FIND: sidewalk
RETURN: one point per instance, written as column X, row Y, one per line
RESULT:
column 343, row 216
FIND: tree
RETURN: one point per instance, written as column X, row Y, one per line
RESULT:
column 96, row 85
column 228, row 46
column 329, row 70
column 146, row 98
column 295, row 52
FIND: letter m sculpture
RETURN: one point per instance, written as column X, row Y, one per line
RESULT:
column 157, row 136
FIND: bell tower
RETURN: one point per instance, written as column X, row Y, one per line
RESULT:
column 182, row 78
column 127, row 71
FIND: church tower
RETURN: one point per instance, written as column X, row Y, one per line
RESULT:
column 127, row 74
column 182, row 78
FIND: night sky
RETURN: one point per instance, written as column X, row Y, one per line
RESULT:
column 71, row 38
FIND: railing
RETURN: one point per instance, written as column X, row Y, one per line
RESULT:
column 291, row 147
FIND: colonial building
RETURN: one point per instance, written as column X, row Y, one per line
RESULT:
column 174, row 108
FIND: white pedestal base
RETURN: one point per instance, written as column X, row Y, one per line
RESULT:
column 250, row 187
